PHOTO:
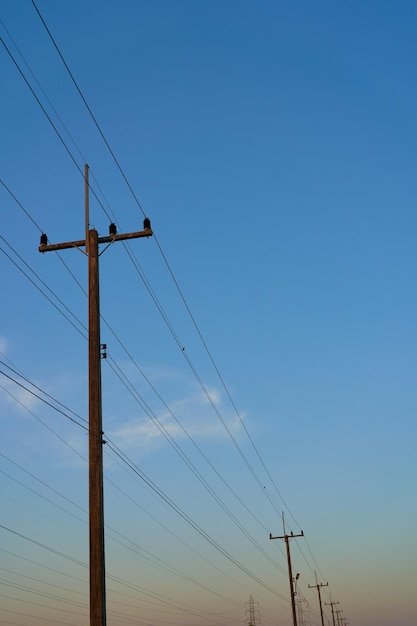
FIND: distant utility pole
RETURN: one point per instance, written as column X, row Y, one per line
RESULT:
column 95, row 438
column 317, row 586
column 332, row 604
column 287, row 545
column 339, row 619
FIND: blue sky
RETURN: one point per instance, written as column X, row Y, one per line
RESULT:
column 268, row 327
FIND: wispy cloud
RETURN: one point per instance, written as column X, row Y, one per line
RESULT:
column 192, row 412
column 15, row 398
column 186, row 411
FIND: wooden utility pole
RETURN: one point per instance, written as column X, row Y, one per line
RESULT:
column 291, row 579
column 97, row 560
column 338, row 611
column 317, row 586
column 95, row 428
column 332, row 604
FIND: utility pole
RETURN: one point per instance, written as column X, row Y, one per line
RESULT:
column 317, row 586
column 339, row 619
column 332, row 605
column 287, row 545
column 95, row 428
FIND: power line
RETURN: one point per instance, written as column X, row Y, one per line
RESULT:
column 189, row 465
column 260, row 484
column 178, row 449
column 88, row 108
column 58, row 493
column 251, row 469
column 212, row 492
column 56, row 114
column 202, row 480
column 32, row 384
column 43, row 293
column 186, row 517
column 126, row 584
column 133, row 545
column 43, row 400
column 192, row 367
column 21, row 206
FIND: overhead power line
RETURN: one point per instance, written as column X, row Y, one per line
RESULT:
column 251, row 469
column 246, row 461
column 179, row 451
column 187, row 518
column 88, row 108
column 116, row 161
column 43, row 400
column 130, row 544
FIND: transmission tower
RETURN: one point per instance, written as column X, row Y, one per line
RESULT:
column 253, row 612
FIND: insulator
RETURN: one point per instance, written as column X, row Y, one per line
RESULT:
column 112, row 229
column 44, row 239
column 146, row 223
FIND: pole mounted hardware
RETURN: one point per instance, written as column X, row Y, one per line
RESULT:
column 44, row 247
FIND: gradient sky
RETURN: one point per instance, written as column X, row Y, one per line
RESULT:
column 261, row 347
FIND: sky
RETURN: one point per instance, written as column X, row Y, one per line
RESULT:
column 261, row 345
